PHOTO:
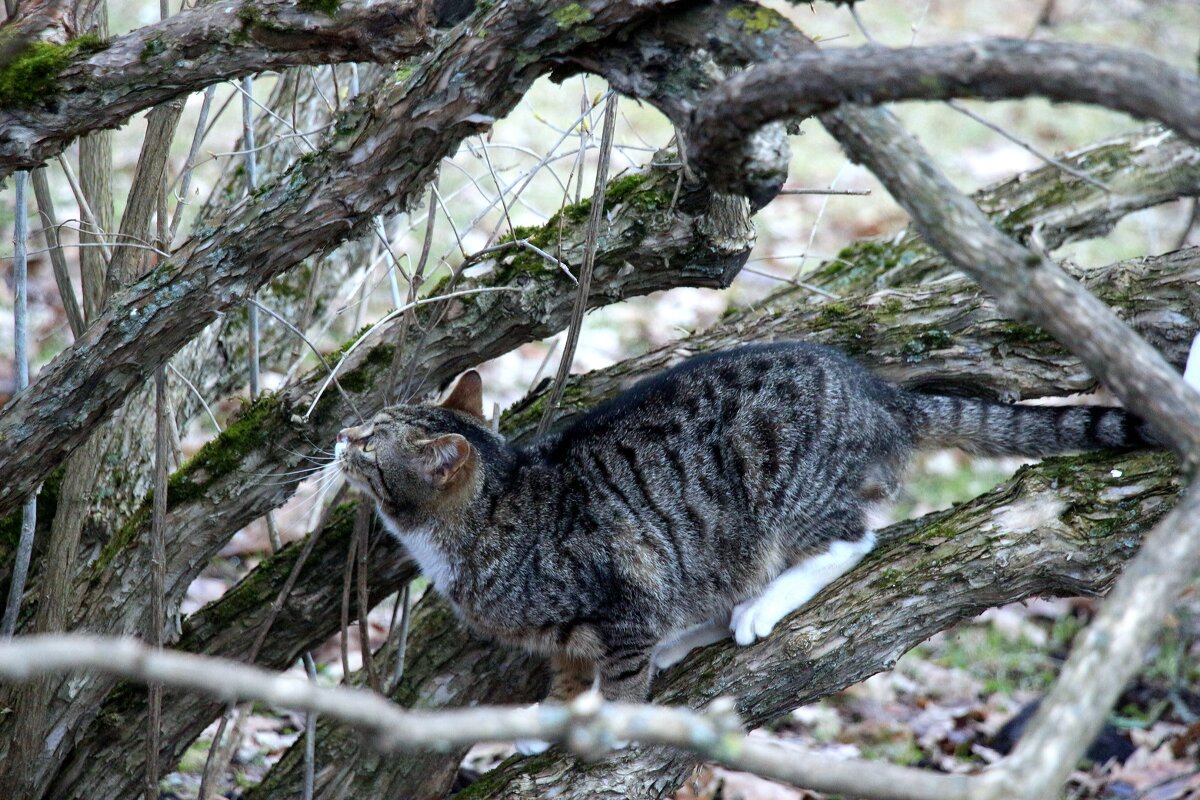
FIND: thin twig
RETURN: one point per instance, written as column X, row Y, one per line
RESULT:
column 591, row 239
column 362, row 531
column 388, row 318
column 310, row 734
column 158, row 567
column 58, row 260
column 347, row 582
column 85, row 210
column 812, row 234
column 251, row 163
column 16, row 588
column 185, row 175
column 853, row 192
column 1019, row 142
column 828, row 295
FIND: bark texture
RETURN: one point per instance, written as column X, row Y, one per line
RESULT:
column 197, row 48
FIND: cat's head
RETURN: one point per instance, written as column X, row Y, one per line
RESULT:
column 422, row 463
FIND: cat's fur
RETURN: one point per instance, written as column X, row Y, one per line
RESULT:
column 724, row 492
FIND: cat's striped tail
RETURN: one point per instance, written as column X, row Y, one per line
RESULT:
column 980, row 426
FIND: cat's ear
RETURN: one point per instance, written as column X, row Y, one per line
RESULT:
column 467, row 394
column 444, row 457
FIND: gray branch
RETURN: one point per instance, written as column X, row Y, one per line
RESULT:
column 197, row 48
column 816, row 81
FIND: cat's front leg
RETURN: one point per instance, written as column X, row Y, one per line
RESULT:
column 755, row 618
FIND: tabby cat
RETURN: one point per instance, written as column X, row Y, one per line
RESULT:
column 719, row 496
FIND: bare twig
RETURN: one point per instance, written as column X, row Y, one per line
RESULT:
column 852, row 192
column 16, row 588
column 595, row 217
column 362, row 530
column 1019, row 142
column 158, row 560
column 62, row 277
column 185, row 175
column 589, row 726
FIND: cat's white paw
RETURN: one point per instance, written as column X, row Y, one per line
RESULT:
column 755, row 619
column 531, row 747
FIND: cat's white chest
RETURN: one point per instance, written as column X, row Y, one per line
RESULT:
column 433, row 562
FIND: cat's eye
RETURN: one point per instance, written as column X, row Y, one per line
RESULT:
column 369, row 445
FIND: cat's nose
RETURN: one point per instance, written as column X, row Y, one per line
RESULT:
column 342, row 438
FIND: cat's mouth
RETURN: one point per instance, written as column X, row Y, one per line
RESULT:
column 354, row 453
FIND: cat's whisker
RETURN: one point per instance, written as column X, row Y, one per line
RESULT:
column 322, row 490
column 308, row 457
column 300, row 471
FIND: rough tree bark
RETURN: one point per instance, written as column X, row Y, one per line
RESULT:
column 194, row 49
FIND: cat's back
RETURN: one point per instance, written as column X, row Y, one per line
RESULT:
column 759, row 385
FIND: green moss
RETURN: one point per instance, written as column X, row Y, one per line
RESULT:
column 834, row 311
column 153, row 47
column 916, row 347
column 505, row 773
column 571, row 15
column 250, row 429
column 327, row 7
column 362, row 377
column 10, row 526
column 1024, row 334
column 634, row 191
column 755, row 19
column 31, row 77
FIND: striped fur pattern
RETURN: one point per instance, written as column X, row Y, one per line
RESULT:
column 697, row 495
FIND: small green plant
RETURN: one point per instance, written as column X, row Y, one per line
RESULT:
column 32, row 76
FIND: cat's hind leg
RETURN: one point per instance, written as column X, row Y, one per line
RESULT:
column 756, row 618
column 569, row 677
column 671, row 649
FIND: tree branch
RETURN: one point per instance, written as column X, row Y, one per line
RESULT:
column 195, row 49
column 379, row 158
column 946, row 334
column 817, row 81
column 972, row 342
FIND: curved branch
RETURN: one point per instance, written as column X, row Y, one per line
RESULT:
column 195, row 49
column 817, row 81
